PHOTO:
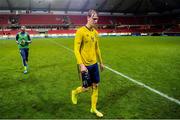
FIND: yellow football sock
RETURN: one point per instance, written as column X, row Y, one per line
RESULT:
column 78, row 90
column 75, row 93
column 94, row 98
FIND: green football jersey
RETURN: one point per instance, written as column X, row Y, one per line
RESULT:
column 22, row 37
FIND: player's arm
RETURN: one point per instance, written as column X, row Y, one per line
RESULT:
column 98, row 54
column 29, row 39
column 17, row 37
column 77, row 47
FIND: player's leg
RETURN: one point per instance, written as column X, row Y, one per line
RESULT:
column 26, row 59
column 84, row 77
column 23, row 56
column 22, row 52
column 94, row 97
column 75, row 92
column 27, row 54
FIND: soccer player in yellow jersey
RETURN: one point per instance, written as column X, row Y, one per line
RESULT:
column 87, row 53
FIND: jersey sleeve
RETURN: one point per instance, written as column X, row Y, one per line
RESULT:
column 77, row 46
column 29, row 37
column 17, row 37
column 98, row 53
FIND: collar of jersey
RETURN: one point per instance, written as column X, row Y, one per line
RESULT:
column 88, row 28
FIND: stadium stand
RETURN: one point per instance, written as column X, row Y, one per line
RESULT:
column 61, row 24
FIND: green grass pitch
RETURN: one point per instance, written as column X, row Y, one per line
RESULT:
column 45, row 91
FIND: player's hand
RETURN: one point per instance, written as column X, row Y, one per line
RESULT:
column 28, row 42
column 101, row 67
column 83, row 68
column 17, row 42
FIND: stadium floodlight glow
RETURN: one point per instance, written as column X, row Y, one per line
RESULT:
column 153, row 13
column 118, row 14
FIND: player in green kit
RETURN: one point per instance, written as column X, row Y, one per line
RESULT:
column 23, row 40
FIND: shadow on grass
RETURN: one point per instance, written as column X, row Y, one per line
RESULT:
column 114, row 96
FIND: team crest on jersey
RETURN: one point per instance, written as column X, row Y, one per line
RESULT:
column 92, row 38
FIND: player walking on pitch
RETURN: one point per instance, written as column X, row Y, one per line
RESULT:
column 87, row 53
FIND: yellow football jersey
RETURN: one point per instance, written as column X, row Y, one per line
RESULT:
column 86, row 47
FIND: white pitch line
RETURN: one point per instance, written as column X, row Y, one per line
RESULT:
column 62, row 46
column 131, row 79
column 142, row 84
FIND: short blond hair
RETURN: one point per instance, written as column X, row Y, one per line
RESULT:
column 91, row 13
